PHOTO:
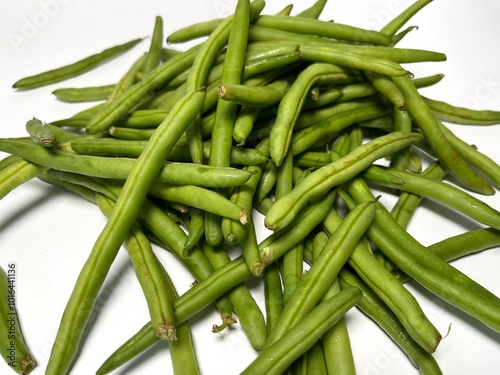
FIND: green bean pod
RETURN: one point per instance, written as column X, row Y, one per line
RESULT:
column 83, row 94
column 154, row 53
column 314, row 11
column 16, row 174
column 119, row 168
column 74, row 69
column 461, row 115
column 332, row 30
column 441, row 192
column 13, row 347
column 40, row 134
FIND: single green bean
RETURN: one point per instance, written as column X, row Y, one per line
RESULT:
column 83, row 94
column 13, row 347
column 471, row 155
column 255, row 96
column 40, row 134
column 461, row 115
column 273, row 295
column 198, row 30
column 196, row 229
column 74, row 69
column 446, row 194
column 392, row 27
column 119, row 168
column 331, row 30
column 314, row 11
column 154, row 53
column 17, row 173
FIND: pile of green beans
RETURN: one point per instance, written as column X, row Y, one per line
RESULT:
column 284, row 119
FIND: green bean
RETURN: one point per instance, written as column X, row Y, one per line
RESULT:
column 168, row 53
column 225, row 115
column 290, row 106
column 73, row 69
column 461, row 115
column 325, row 131
column 266, row 182
column 13, row 347
column 314, row 11
column 17, row 173
column 154, row 53
column 244, row 123
column 399, row 36
column 128, row 79
column 386, row 87
column 273, row 295
column 182, row 350
column 446, row 153
column 426, row 268
column 119, row 168
column 144, row 118
column 150, row 277
column 204, row 199
column 461, row 245
column 276, row 358
column 338, row 357
column 314, row 360
column 133, row 95
column 427, row 81
column 471, row 155
column 109, row 241
column 260, row 96
column 196, row 229
column 292, row 261
column 331, row 30
column 443, row 193
column 392, row 27
column 402, row 123
column 130, row 134
column 39, row 134
column 323, row 272
column 264, row 205
column 248, row 312
column 204, row 59
column 83, row 94
column 242, row 196
column 195, row 31
column 377, row 310
column 323, row 179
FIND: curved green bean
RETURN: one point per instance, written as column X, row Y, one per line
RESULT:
column 83, row 94
column 74, row 69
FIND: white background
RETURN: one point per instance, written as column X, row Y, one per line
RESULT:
column 49, row 233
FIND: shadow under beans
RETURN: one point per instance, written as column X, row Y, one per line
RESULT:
column 29, row 204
